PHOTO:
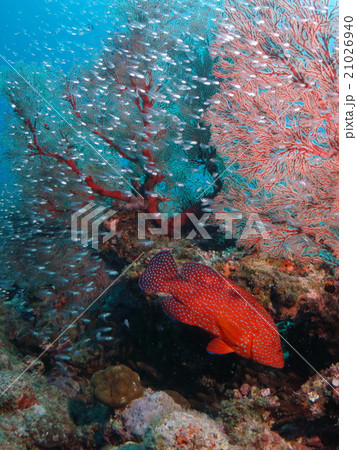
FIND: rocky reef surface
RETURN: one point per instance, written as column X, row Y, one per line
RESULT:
column 151, row 384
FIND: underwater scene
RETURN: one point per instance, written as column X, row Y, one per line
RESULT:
column 169, row 224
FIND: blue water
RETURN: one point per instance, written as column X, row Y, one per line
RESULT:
column 49, row 32
column 36, row 31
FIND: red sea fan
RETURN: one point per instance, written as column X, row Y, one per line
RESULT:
column 275, row 123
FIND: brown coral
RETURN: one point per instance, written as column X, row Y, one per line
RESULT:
column 116, row 386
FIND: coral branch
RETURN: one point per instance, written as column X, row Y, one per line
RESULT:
column 70, row 162
column 275, row 122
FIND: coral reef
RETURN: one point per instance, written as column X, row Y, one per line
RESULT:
column 187, row 107
column 303, row 298
column 34, row 413
column 137, row 417
column 247, row 417
column 116, row 386
column 159, row 422
column 258, row 407
column 317, row 394
column 185, row 429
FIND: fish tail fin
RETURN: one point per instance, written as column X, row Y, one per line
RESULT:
column 161, row 269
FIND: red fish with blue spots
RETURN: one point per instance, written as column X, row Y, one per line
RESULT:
column 203, row 297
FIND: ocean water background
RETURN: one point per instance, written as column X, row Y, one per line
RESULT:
column 50, row 32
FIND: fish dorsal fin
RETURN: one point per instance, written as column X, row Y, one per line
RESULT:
column 219, row 347
column 239, row 337
column 161, row 269
column 202, row 274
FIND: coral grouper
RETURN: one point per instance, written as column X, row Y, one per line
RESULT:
column 203, row 297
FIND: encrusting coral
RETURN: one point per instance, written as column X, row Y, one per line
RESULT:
column 320, row 393
column 185, row 429
column 135, row 419
column 33, row 412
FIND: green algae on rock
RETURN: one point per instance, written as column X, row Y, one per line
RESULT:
column 116, row 386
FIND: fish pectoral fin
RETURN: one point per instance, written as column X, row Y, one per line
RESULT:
column 239, row 336
column 230, row 330
column 219, row 347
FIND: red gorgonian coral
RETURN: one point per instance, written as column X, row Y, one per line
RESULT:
column 275, row 123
